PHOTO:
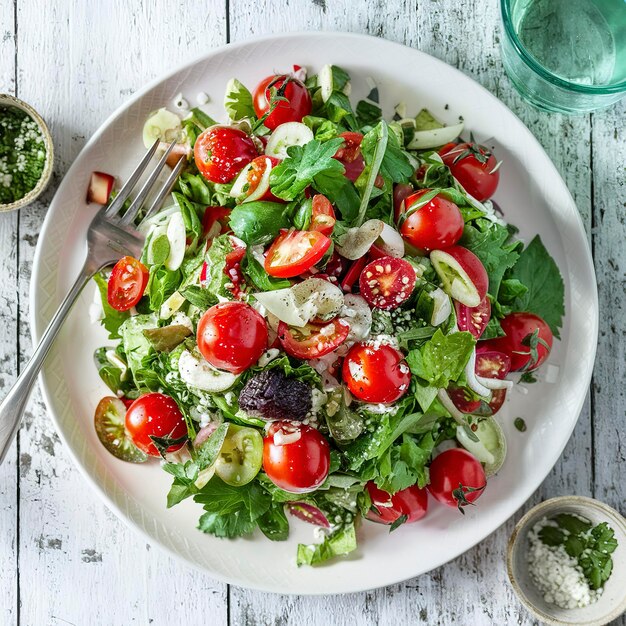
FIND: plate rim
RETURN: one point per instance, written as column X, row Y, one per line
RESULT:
column 36, row 332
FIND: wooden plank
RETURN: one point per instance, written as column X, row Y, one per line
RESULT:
column 9, row 493
column 474, row 588
column 77, row 561
column 609, row 234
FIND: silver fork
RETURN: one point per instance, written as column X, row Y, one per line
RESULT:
column 111, row 235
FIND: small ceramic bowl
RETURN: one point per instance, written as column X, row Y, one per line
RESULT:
column 7, row 100
column 610, row 605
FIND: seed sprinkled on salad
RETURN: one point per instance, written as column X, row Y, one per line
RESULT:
column 326, row 298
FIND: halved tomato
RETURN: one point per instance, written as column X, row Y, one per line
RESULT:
column 295, row 251
column 313, row 340
column 473, row 319
column 493, row 364
column 215, row 215
column 127, row 283
column 323, row 215
column 350, row 155
column 387, row 282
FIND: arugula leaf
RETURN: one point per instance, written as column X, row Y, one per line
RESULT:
column 395, row 165
column 442, row 359
column 113, row 319
column 263, row 281
column 545, row 295
column 274, row 524
column 238, row 101
column 341, row 541
column 489, row 242
column 259, row 222
column 291, row 177
column 231, row 511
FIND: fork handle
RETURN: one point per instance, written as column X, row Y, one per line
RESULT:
column 13, row 405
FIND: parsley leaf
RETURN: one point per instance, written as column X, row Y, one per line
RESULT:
column 488, row 241
column 443, row 358
column 238, row 101
column 274, row 524
column 545, row 295
column 291, row 177
column 231, row 511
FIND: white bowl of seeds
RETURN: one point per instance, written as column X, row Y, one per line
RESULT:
column 26, row 153
column 566, row 561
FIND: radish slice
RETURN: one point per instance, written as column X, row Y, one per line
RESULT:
column 163, row 125
column 100, row 187
column 308, row 513
column 463, row 276
column 241, row 181
column 472, row 381
column 177, row 237
column 285, row 136
column 391, row 242
column 357, row 241
column 423, row 139
column 202, row 375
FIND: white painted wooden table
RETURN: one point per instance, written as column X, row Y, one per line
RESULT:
column 64, row 559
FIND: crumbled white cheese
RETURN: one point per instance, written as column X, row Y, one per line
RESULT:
column 556, row 574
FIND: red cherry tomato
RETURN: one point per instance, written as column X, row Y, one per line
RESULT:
column 295, row 251
column 436, row 225
column 528, row 341
column 387, row 282
column 127, row 283
column 474, row 166
column 296, row 457
column 456, row 478
column 323, row 216
column 221, row 152
column 492, row 364
column 400, row 193
column 353, row 273
column 462, row 399
column 232, row 336
column 386, row 509
column 463, row 275
column 254, row 178
column 376, row 374
column 215, row 215
column 350, row 155
column 296, row 106
column 473, row 319
column 313, row 340
column 158, row 415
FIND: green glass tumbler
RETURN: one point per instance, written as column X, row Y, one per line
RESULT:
column 567, row 56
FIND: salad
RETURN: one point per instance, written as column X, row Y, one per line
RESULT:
column 326, row 318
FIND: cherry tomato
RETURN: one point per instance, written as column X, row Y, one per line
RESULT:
column 473, row 319
column 350, row 155
column 323, row 216
column 254, row 177
column 296, row 106
column 436, row 225
column 127, row 283
column 221, row 152
column 462, row 399
column 215, row 215
column 296, row 457
column 386, row 509
column 376, row 374
column 158, row 415
column 492, row 364
column 401, row 192
column 528, row 341
column 313, row 340
column 456, row 478
column 295, row 251
column 474, row 166
column 463, row 275
column 232, row 336
column 387, row 282
column 353, row 273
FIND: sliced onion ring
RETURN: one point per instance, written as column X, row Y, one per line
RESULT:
column 494, row 383
column 472, row 380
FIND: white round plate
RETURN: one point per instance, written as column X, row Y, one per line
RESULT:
column 533, row 196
